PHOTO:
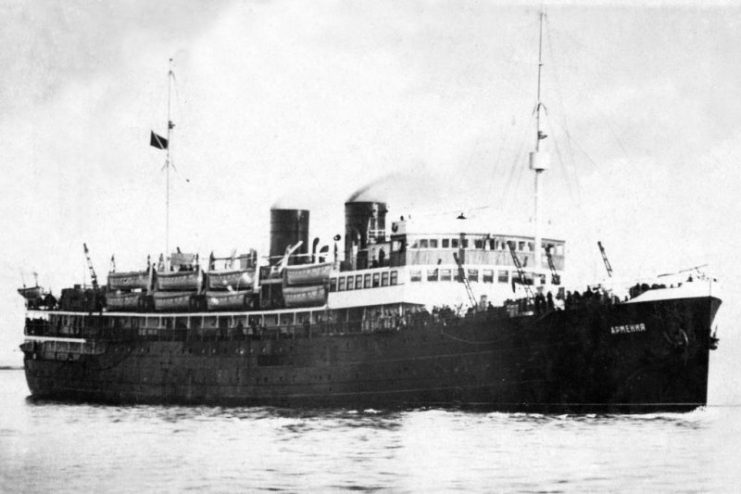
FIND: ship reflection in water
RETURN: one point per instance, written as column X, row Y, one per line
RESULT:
column 47, row 446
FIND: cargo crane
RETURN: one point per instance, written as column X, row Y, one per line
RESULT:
column 93, row 276
column 555, row 277
column 520, row 271
column 604, row 259
column 464, row 279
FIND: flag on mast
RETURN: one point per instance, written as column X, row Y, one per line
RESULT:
column 157, row 141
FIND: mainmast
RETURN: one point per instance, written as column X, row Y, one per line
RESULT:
column 539, row 160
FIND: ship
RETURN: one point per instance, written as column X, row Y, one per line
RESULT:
column 400, row 313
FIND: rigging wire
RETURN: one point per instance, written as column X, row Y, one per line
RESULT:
column 497, row 162
column 517, row 169
column 567, row 170
column 516, row 166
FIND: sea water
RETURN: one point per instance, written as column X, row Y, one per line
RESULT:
column 62, row 447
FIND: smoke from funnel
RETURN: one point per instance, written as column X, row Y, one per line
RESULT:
column 375, row 191
column 402, row 189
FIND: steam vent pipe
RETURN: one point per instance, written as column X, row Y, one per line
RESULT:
column 288, row 227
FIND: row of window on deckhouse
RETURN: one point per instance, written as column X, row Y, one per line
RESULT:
column 482, row 243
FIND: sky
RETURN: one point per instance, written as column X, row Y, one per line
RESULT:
column 306, row 102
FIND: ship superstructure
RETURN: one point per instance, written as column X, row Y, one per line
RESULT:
column 413, row 316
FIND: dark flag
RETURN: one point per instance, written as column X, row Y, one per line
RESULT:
column 158, row 141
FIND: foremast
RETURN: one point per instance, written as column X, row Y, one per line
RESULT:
column 539, row 161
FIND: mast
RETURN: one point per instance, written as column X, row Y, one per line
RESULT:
column 538, row 160
column 170, row 126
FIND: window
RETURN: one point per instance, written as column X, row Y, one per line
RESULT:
column 367, row 280
column 446, row 243
column 511, row 244
column 521, row 246
column 433, row 243
column 473, row 275
column 530, row 246
column 415, row 276
column 478, row 243
column 423, row 243
column 454, row 243
column 384, row 279
column 376, row 280
column 350, row 282
column 445, row 275
column 488, row 276
column 359, row 282
column 396, row 246
column 465, row 243
column 394, row 277
column 502, row 276
column 432, row 275
column 493, row 244
column 341, row 284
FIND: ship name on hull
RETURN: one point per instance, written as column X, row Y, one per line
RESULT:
column 628, row 328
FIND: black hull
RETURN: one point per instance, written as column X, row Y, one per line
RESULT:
column 626, row 358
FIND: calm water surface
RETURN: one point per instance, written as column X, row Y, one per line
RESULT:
column 64, row 447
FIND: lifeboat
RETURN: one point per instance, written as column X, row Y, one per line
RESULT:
column 179, row 280
column 123, row 300
column 306, row 274
column 172, row 301
column 131, row 280
column 31, row 292
column 239, row 300
column 236, row 279
column 304, row 296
